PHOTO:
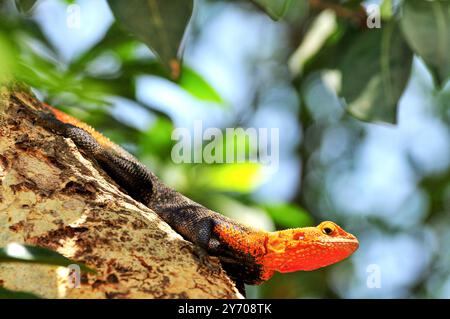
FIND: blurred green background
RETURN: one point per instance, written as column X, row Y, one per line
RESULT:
column 364, row 119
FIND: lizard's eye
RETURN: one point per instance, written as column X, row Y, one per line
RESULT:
column 328, row 229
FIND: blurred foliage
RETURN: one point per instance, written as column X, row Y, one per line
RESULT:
column 275, row 8
column 158, row 23
column 288, row 215
column 426, row 27
column 20, row 253
column 10, row 294
column 340, row 70
column 375, row 71
column 25, row 6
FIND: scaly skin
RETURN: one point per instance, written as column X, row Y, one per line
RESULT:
column 290, row 250
column 249, row 255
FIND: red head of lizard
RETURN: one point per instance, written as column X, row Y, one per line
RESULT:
column 307, row 248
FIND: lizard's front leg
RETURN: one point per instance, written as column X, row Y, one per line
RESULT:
column 207, row 239
column 203, row 234
column 203, row 238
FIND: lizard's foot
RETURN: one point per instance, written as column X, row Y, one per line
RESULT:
column 210, row 262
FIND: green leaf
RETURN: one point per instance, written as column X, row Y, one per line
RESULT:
column 25, row 6
column 288, row 215
column 7, row 58
column 375, row 70
column 426, row 27
column 246, row 214
column 115, row 40
column 276, row 9
column 15, row 252
column 157, row 140
column 10, row 294
column 321, row 29
column 237, row 177
column 193, row 83
column 386, row 9
column 160, row 24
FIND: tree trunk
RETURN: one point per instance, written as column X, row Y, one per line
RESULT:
column 52, row 196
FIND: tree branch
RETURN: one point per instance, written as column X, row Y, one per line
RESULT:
column 52, row 196
column 358, row 15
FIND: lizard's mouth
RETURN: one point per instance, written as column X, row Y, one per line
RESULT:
column 319, row 255
column 350, row 242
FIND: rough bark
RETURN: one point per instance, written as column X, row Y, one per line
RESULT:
column 53, row 196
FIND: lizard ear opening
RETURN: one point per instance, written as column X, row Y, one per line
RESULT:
column 298, row 235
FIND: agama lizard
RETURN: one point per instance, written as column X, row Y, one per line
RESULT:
column 248, row 255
